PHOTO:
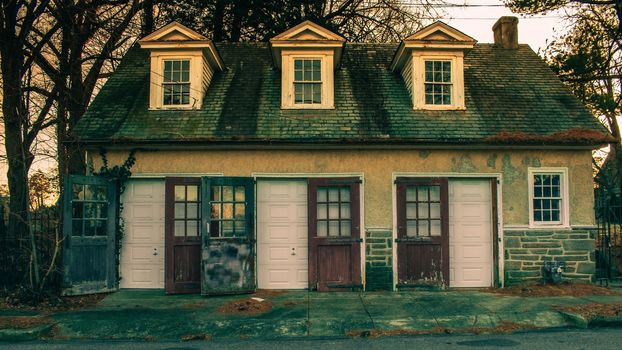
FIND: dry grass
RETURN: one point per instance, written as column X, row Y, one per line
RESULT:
column 551, row 290
column 245, row 307
column 592, row 311
column 22, row 322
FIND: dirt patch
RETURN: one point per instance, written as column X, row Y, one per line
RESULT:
column 550, row 290
column 502, row 327
column 22, row 322
column 49, row 303
column 248, row 307
column 592, row 311
column 190, row 337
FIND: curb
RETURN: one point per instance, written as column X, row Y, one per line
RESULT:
column 16, row 335
column 575, row 320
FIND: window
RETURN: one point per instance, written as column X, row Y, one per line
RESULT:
column 187, row 212
column 307, row 81
column 423, row 211
column 228, row 216
column 438, row 83
column 334, row 211
column 437, row 80
column 176, row 82
column 89, row 210
column 548, row 197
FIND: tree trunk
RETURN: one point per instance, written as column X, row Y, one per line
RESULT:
column 219, row 15
column 147, row 27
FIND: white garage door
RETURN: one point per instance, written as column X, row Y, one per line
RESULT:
column 470, row 233
column 142, row 253
column 282, row 234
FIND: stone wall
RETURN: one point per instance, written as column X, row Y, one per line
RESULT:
column 526, row 251
column 378, row 259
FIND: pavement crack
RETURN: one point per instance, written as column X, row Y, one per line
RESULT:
column 373, row 325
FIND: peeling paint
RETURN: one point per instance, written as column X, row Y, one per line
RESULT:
column 510, row 172
column 464, row 164
column 492, row 161
column 377, row 166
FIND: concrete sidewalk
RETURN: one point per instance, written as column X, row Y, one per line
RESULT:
column 153, row 315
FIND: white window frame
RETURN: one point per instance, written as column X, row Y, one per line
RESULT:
column 564, row 211
column 179, row 105
column 156, row 96
column 457, row 79
column 287, row 78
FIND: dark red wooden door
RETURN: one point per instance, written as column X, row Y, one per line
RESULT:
column 182, row 235
column 334, row 234
column 422, row 232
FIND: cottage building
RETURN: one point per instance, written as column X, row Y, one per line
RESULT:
column 312, row 162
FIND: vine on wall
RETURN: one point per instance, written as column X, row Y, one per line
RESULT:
column 119, row 174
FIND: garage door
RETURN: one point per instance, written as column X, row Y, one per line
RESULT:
column 282, row 243
column 142, row 253
column 470, row 233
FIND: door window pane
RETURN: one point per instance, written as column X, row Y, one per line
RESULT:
column 180, row 210
column 334, row 211
column 180, row 193
column 180, row 228
column 192, row 193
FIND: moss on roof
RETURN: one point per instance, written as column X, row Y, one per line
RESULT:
column 507, row 92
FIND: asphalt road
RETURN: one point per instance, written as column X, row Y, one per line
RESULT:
column 566, row 340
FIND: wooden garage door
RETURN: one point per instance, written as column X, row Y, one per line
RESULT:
column 470, row 233
column 142, row 253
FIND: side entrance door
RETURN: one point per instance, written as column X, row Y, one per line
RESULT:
column 182, row 269
column 89, row 226
column 422, row 232
column 228, row 240
column 334, row 234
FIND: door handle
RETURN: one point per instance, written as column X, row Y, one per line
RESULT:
column 155, row 251
column 294, row 251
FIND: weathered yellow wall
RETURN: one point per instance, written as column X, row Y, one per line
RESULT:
column 378, row 166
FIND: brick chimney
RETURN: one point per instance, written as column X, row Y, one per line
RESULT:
column 506, row 32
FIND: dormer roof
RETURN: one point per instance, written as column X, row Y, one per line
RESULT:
column 436, row 36
column 177, row 36
column 306, row 35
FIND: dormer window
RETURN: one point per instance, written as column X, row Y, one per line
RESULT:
column 307, row 81
column 176, row 83
column 431, row 63
column 183, row 63
column 438, row 84
column 307, row 56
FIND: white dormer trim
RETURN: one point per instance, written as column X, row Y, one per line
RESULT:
column 177, row 42
column 436, row 36
column 307, row 40
column 436, row 42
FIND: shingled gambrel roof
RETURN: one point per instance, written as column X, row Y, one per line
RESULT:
column 511, row 97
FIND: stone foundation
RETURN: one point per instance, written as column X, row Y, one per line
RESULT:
column 378, row 259
column 526, row 251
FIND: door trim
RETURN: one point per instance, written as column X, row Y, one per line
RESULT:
column 495, row 178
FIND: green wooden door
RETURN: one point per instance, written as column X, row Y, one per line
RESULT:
column 89, row 225
column 228, row 240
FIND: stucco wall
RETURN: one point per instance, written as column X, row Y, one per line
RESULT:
column 378, row 167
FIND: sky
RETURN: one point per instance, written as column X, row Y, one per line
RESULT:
column 478, row 16
column 473, row 17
